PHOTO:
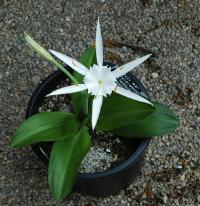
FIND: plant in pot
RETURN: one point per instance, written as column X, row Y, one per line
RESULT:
column 102, row 98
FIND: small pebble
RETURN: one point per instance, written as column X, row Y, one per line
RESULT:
column 179, row 167
column 182, row 178
column 108, row 150
column 35, row 80
column 154, row 75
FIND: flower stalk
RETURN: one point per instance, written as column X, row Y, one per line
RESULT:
column 61, row 67
column 46, row 55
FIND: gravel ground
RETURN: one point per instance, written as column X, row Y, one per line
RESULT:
column 171, row 174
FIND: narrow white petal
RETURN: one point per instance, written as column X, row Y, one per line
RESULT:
column 96, row 108
column 131, row 95
column 69, row 89
column 77, row 66
column 99, row 45
column 129, row 66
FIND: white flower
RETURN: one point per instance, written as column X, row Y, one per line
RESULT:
column 99, row 80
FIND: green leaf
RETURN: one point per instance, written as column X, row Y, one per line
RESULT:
column 66, row 157
column 88, row 58
column 80, row 99
column 46, row 126
column 118, row 111
column 161, row 122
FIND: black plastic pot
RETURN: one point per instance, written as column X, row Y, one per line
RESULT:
column 101, row 183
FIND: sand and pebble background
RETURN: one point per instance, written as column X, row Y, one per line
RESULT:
column 170, row 29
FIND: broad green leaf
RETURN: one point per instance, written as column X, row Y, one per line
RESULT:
column 118, row 111
column 46, row 126
column 80, row 99
column 161, row 122
column 65, row 159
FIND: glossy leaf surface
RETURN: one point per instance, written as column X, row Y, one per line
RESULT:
column 66, row 157
column 46, row 126
column 161, row 122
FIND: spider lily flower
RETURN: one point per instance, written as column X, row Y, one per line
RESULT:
column 99, row 80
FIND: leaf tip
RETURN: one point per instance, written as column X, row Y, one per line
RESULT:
column 13, row 143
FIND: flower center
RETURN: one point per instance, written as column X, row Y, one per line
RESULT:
column 100, row 80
